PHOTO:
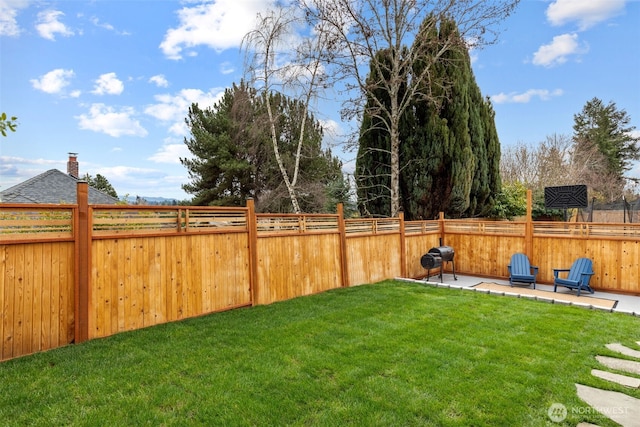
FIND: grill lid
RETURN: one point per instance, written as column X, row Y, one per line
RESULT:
column 445, row 252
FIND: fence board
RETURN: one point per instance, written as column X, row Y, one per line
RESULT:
column 36, row 281
column 416, row 246
column 484, row 255
column 294, row 265
column 49, row 310
column 629, row 269
column 27, row 286
column 19, row 286
column 8, row 308
column 4, row 309
column 44, row 300
column 615, row 261
column 35, row 296
column 372, row 258
column 159, row 279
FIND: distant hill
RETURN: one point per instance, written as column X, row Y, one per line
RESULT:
column 152, row 200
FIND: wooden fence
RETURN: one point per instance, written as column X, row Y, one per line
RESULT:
column 76, row 272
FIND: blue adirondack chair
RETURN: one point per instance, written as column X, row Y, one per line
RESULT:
column 521, row 271
column 578, row 277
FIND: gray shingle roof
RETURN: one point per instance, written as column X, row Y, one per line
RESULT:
column 52, row 186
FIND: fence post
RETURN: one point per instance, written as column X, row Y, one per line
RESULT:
column 528, row 231
column 403, row 247
column 252, row 224
column 82, row 268
column 344, row 267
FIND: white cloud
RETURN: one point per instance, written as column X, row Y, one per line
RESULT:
column 219, row 25
column 48, row 25
column 332, row 133
column 8, row 12
column 227, row 67
column 586, row 12
column 171, row 153
column 105, row 25
column 523, row 98
column 54, row 81
column 558, row 51
column 28, row 161
column 108, row 84
column 174, row 108
column 95, row 21
column 127, row 173
column 143, row 182
column 102, row 118
column 159, row 80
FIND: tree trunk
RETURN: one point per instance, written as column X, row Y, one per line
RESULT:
column 395, row 167
column 283, row 170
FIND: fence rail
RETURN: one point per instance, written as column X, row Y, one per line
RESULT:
column 36, row 222
column 372, row 225
column 76, row 272
column 484, row 227
column 145, row 220
column 421, row 227
column 287, row 223
column 587, row 230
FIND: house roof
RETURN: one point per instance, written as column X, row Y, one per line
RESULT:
column 54, row 187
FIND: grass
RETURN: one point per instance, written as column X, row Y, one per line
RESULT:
column 388, row 354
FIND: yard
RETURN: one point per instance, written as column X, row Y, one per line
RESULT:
column 388, row 354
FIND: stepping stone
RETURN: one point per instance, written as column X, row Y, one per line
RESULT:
column 617, row 378
column 620, row 364
column 624, row 350
column 587, row 425
column 623, row 409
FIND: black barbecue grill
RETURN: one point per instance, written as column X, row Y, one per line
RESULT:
column 436, row 257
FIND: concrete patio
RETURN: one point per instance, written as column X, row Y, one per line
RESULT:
column 626, row 303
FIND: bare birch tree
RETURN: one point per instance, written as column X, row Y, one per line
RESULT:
column 358, row 30
column 279, row 60
column 520, row 163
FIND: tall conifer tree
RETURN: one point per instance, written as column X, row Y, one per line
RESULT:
column 373, row 163
column 449, row 149
column 607, row 131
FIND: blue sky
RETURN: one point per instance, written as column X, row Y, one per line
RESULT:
column 112, row 80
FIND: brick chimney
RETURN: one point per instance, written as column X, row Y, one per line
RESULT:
column 72, row 165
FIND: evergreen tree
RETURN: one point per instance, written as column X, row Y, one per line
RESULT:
column 487, row 183
column 605, row 129
column 233, row 157
column 101, row 183
column 373, row 162
column 449, row 148
column 228, row 155
column 380, row 25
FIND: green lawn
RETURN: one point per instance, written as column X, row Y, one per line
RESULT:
column 388, row 354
